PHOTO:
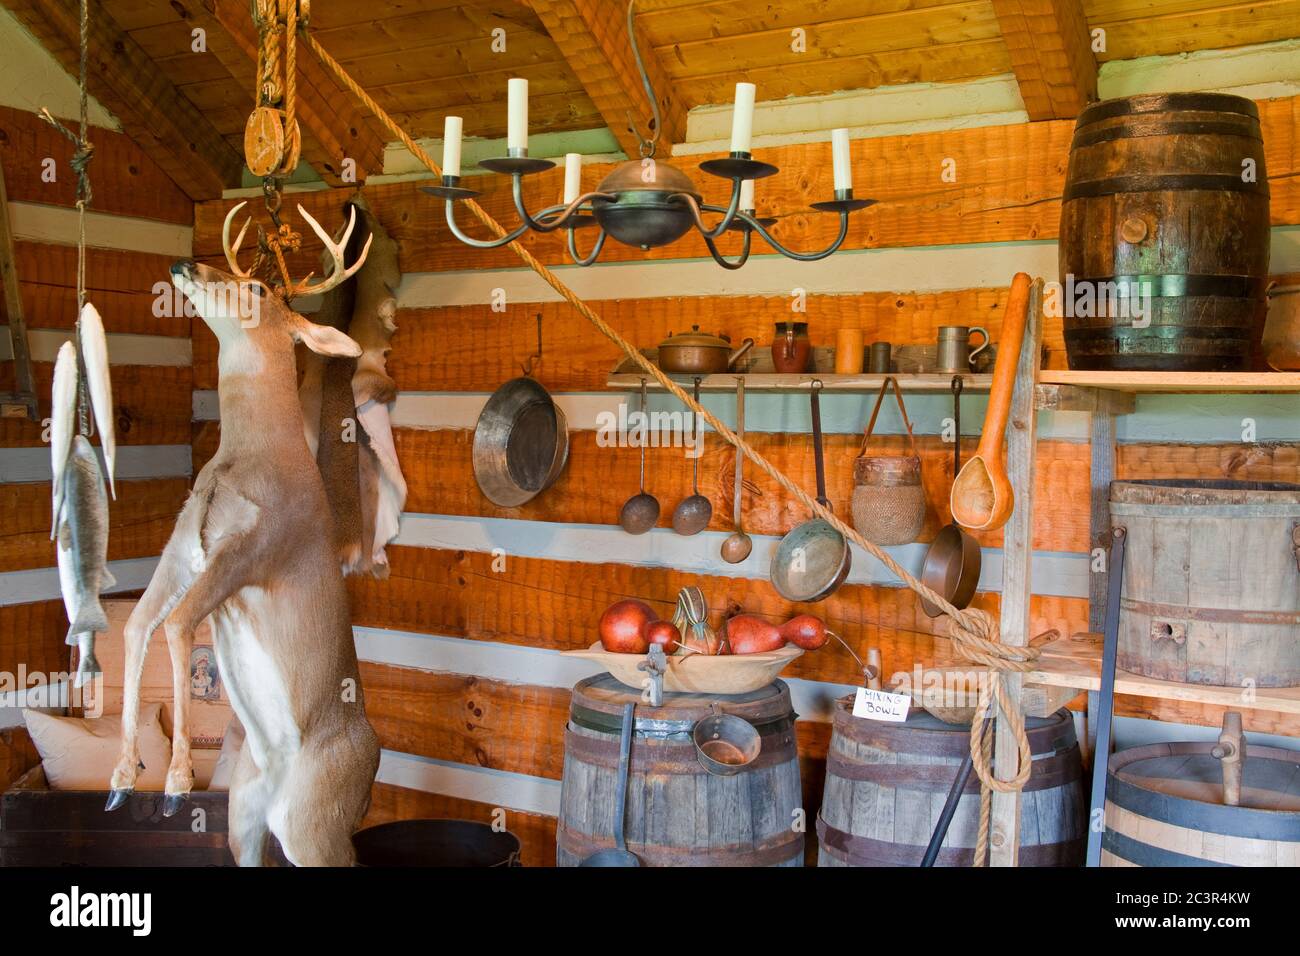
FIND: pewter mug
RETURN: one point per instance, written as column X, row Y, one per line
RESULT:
column 954, row 352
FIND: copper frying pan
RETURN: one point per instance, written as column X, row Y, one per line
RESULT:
column 952, row 562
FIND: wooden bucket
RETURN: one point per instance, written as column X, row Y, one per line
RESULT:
column 1163, row 808
column 1211, row 583
column 1159, row 193
column 886, row 784
column 679, row 814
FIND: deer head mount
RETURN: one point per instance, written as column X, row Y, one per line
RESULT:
column 338, row 271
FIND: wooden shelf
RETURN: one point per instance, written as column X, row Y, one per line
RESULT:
column 795, row 382
column 1076, row 662
column 1175, row 381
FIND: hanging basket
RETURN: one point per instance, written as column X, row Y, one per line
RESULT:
column 888, row 503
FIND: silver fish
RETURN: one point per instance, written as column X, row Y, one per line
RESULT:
column 94, row 350
column 63, row 423
column 82, row 550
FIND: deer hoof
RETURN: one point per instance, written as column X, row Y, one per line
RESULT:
column 116, row 798
column 173, row 802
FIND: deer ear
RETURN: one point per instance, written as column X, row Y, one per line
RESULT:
column 324, row 340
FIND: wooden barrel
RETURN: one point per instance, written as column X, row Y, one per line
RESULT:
column 887, row 782
column 1164, row 808
column 1166, row 193
column 1211, row 583
column 677, row 813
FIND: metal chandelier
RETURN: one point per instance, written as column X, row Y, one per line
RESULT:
column 643, row 202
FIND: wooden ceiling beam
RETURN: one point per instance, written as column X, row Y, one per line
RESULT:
column 162, row 122
column 334, row 127
column 1051, row 55
column 592, row 37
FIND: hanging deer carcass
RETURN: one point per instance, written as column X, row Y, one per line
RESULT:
column 253, row 550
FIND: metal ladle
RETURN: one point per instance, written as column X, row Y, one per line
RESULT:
column 641, row 511
column 619, row 854
column 692, row 515
column 738, row 544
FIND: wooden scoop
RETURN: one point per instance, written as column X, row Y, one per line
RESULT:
column 981, row 497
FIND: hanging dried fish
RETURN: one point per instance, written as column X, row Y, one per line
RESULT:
column 94, row 352
column 82, row 551
column 63, row 424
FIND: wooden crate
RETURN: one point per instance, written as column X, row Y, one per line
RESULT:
column 44, row 827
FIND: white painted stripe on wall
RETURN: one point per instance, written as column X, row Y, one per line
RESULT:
column 850, row 272
column 1259, row 71
column 42, row 584
column 1055, row 573
column 917, row 269
column 30, row 78
column 1195, row 419
column 884, row 111
column 36, row 222
column 541, row 667
column 133, row 461
column 493, row 787
column 123, row 348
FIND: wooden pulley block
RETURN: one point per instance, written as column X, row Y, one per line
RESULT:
column 292, row 150
column 269, row 148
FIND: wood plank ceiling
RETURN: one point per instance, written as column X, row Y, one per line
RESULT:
column 425, row 59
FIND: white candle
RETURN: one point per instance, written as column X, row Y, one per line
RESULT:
column 517, row 114
column 572, row 176
column 742, row 118
column 840, row 159
column 747, row 195
column 451, row 146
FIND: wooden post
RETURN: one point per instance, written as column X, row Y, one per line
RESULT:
column 1102, row 438
column 21, row 403
column 1017, row 555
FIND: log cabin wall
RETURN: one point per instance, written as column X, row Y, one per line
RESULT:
column 139, row 222
column 460, row 645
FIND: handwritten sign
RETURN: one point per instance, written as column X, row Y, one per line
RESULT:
column 880, row 705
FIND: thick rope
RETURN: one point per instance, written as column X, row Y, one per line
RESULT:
column 973, row 631
column 80, row 162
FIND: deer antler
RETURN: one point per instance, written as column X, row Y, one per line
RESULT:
column 232, row 252
column 339, row 273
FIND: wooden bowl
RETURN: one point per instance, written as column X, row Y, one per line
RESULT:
column 698, row 673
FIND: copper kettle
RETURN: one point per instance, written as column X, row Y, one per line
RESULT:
column 699, row 353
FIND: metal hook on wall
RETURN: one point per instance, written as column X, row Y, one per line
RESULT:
column 536, row 358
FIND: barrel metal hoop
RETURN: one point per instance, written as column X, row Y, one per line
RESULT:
column 864, row 851
column 1212, row 615
column 1173, row 286
column 1169, row 102
column 604, row 723
column 1281, row 509
column 668, row 756
column 952, row 741
column 1144, row 854
column 1213, row 182
column 1048, row 773
column 1279, row 825
column 1090, row 137
column 787, row 845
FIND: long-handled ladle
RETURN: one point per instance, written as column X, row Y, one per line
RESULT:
column 641, row 511
column 738, row 545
